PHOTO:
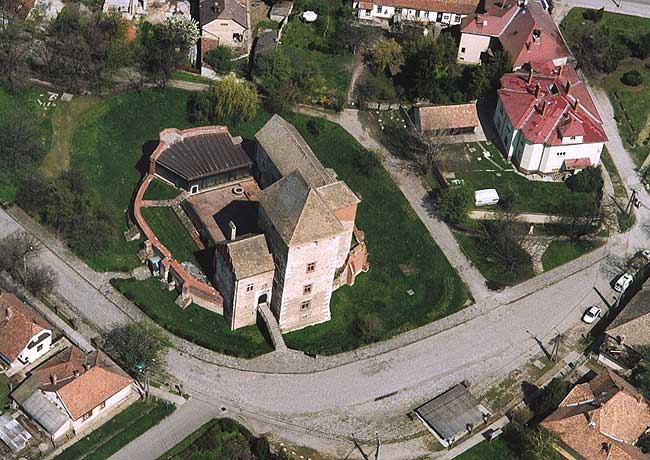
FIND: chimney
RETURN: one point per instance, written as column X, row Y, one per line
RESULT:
column 54, row 378
column 233, row 230
column 76, row 373
column 484, row 22
column 568, row 86
column 8, row 313
column 531, row 73
column 537, row 88
column 86, row 366
column 576, row 104
column 560, row 71
column 544, row 107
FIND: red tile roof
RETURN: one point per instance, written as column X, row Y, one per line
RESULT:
column 441, row 117
column 527, row 33
column 18, row 324
column 445, row 6
column 577, row 163
column 553, row 113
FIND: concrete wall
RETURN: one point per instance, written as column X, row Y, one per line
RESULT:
column 265, row 171
column 222, row 32
column 111, row 402
column 473, row 46
column 249, row 292
column 346, row 216
column 293, row 315
column 31, row 355
column 554, row 156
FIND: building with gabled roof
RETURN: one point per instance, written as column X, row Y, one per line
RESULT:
column 444, row 12
column 454, row 119
column 522, row 28
column 600, row 420
column 25, row 335
column 224, row 23
column 71, row 390
column 547, row 121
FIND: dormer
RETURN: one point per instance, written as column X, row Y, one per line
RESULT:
column 571, row 130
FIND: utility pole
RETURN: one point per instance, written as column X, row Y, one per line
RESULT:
column 360, row 449
column 631, row 202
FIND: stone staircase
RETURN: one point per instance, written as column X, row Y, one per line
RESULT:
column 272, row 326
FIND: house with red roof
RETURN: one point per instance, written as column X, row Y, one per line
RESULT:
column 445, row 12
column 72, row 390
column 25, row 335
column 525, row 30
column 547, row 121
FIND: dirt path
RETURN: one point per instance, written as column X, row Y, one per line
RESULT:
column 357, row 70
column 65, row 119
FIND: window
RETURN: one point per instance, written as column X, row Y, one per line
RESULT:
column 457, row 17
column 102, row 405
column 311, row 267
column 462, row 50
column 398, row 10
column 249, row 287
column 40, row 347
column 561, row 154
column 573, row 138
column 367, row 12
column 306, row 289
column 87, row 415
column 305, row 305
column 417, row 13
column 425, row 14
column 194, row 189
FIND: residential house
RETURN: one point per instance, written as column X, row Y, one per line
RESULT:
column 128, row 9
column 450, row 120
column 547, row 121
column 71, row 390
column 25, row 335
column 600, row 420
column 444, row 12
column 525, row 30
column 224, row 23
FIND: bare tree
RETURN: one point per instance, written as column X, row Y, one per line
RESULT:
column 503, row 240
column 40, row 281
column 16, row 249
column 578, row 222
column 614, row 265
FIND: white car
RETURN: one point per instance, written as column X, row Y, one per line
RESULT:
column 591, row 314
column 623, row 282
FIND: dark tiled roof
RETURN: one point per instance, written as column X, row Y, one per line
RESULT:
column 224, row 10
column 204, row 155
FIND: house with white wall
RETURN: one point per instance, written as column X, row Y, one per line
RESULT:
column 224, row 23
column 522, row 28
column 25, row 336
column 444, row 12
column 547, row 121
column 72, row 390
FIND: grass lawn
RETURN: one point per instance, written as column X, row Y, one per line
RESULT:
column 158, row 190
column 191, row 77
column 561, row 252
column 119, row 431
column 170, row 231
column 488, row 268
column 23, row 99
column 195, row 323
column 619, row 26
column 4, row 391
column 402, row 256
column 108, row 148
column 335, row 70
column 528, row 196
column 617, row 183
column 489, row 450
column 65, row 118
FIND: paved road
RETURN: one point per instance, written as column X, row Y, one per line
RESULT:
column 631, row 7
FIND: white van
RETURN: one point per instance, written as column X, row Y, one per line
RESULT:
column 486, row 197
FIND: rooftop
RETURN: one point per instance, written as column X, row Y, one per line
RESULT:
column 607, row 411
column 235, row 10
column 633, row 322
column 544, row 101
column 450, row 413
column 289, row 152
column 249, row 256
column 297, row 211
column 216, row 208
column 444, row 117
column 18, row 324
column 197, row 153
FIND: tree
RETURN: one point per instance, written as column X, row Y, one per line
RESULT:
column 453, row 203
column 387, row 52
column 368, row 328
column 235, row 447
column 220, row 59
column 502, row 240
column 231, row 100
column 550, row 397
column 588, row 180
column 375, row 87
column 530, row 443
column 137, row 347
column 632, row 78
column 40, row 281
column 15, row 40
column 21, row 144
column 16, row 249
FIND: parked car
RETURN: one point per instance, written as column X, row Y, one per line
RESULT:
column 591, row 314
column 623, row 282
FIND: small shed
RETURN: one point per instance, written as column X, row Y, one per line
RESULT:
column 280, row 11
column 446, row 119
column 452, row 415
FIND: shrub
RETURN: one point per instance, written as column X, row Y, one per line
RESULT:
column 551, row 397
column 368, row 328
column 453, row 204
column 594, row 15
column 220, row 59
column 588, row 180
column 632, row 78
column 316, row 126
